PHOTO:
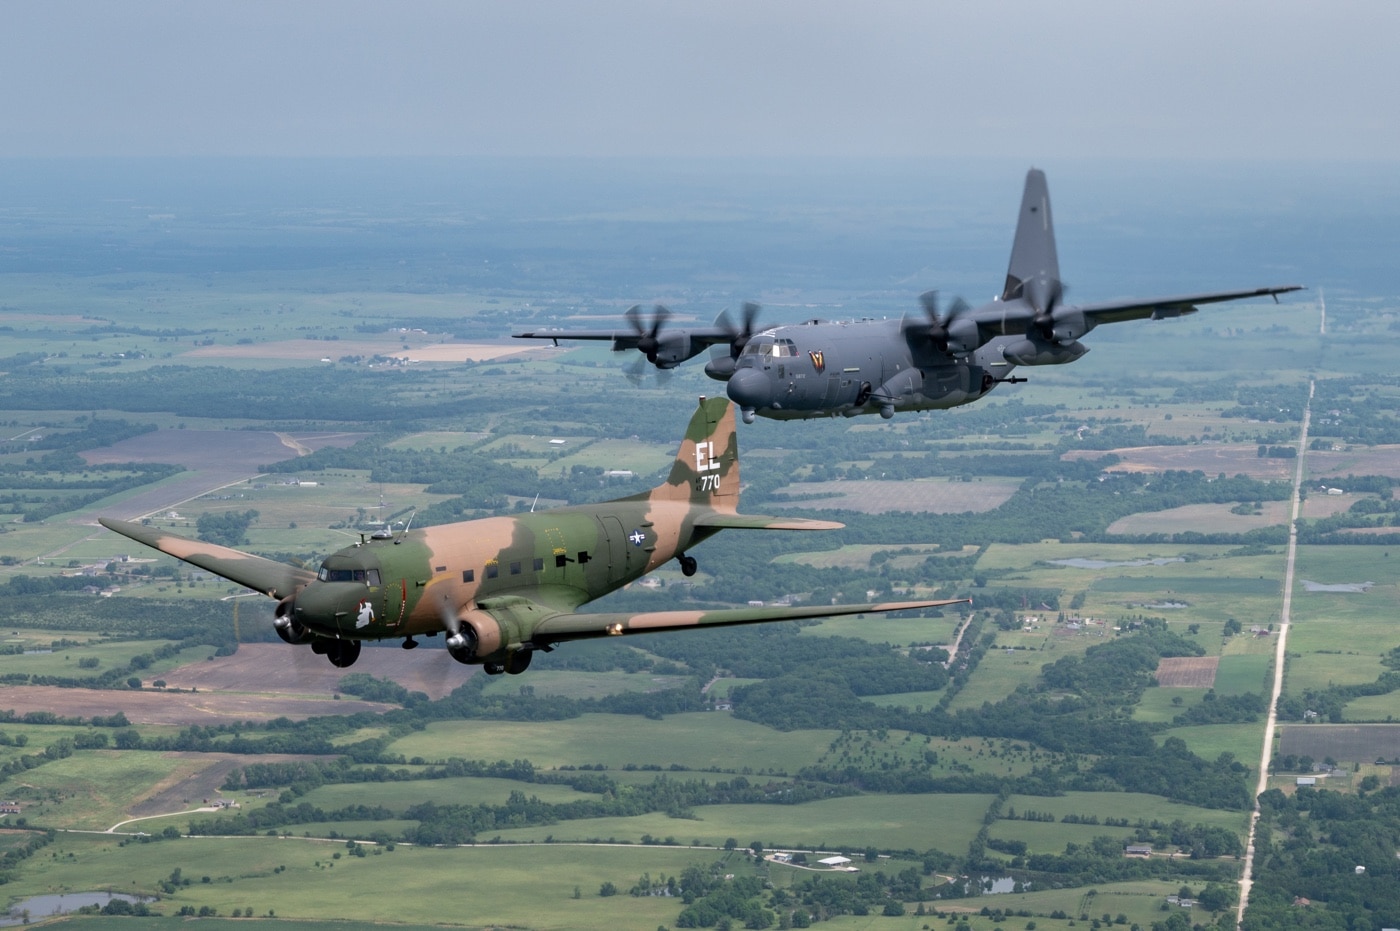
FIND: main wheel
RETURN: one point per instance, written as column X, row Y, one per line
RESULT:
column 688, row 565
column 493, row 669
column 518, row 662
column 343, row 653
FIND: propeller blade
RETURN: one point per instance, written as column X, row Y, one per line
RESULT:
column 739, row 336
column 939, row 324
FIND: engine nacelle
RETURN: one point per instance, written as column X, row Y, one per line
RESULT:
column 673, row 349
column 477, row 639
column 720, row 369
column 288, row 627
column 1037, row 352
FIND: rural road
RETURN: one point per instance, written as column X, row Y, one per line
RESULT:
column 1247, row 877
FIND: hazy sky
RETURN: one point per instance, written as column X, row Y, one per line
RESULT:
column 1192, row 78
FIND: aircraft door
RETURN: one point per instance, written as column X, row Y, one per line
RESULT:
column 619, row 551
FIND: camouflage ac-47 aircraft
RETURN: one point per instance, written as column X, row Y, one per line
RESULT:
column 503, row 587
column 943, row 359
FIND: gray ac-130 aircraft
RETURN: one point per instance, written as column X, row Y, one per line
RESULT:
column 947, row 357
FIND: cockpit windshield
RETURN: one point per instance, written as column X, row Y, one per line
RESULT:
column 367, row 576
column 771, row 348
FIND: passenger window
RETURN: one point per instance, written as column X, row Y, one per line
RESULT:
column 539, row 564
column 515, row 568
column 560, row 560
column 493, row 571
column 468, row 575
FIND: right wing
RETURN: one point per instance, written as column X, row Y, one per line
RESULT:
column 1159, row 307
column 562, row 627
column 275, row 579
column 699, row 338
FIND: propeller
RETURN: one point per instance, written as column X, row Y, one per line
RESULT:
column 1044, row 296
column 649, row 332
column 739, row 335
column 939, row 324
column 453, row 625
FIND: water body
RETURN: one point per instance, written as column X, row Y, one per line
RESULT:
column 1359, row 588
column 44, row 906
column 1081, row 563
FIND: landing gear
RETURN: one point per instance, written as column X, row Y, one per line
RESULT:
column 688, row 565
column 518, row 662
column 409, row 643
column 748, row 413
column 341, row 653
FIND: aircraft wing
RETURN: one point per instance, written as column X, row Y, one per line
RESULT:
column 1157, row 308
column 627, row 337
column 272, row 578
column 563, row 627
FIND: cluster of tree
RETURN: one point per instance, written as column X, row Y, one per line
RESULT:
column 1314, row 845
column 227, row 529
column 20, row 850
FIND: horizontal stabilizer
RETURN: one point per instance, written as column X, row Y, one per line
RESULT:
column 721, row 521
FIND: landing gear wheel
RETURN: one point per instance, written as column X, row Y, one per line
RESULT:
column 493, row 669
column 343, row 653
column 518, row 662
column 688, row 565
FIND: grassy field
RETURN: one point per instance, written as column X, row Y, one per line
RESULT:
column 397, row 796
column 1130, row 805
column 1208, row 741
column 93, row 789
column 918, row 822
column 317, row 880
column 703, row 740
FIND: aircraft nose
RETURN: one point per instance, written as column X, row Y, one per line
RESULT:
column 750, row 388
column 331, row 606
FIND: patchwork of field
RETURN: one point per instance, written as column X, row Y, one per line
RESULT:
column 1350, row 743
column 872, row 496
column 168, row 707
column 1191, row 672
column 1227, row 459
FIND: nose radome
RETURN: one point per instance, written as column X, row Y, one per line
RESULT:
column 750, row 387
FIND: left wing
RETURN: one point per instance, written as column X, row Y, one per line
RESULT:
column 1159, row 307
column 272, row 578
column 562, row 627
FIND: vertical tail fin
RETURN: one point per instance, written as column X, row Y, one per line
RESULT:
column 706, row 470
column 1033, row 253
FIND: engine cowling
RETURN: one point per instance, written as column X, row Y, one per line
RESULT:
column 477, row 637
column 287, row 626
column 1038, row 352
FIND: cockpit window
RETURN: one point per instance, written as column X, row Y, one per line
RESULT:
column 368, row 576
column 784, row 347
